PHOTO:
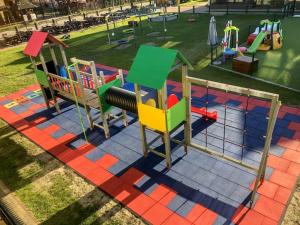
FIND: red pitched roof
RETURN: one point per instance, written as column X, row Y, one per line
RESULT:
column 37, row 40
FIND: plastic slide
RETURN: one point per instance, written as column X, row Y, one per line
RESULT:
column 256, row 43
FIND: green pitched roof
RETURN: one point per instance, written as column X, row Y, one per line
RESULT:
column 152, row 65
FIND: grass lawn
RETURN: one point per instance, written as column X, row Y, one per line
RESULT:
column 53, row 192
column 190, row 38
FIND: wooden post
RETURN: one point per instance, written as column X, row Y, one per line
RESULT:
column 53, row 56
column 63, row 55
column 186, row 93
column 193, row 9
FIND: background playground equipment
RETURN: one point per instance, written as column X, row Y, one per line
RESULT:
column 273, row 35
column 170, row 113
column 163, row 17
column 228, row 50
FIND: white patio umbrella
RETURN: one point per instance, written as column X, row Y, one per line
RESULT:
column 212, row 32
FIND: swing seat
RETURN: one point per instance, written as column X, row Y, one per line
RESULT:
column 203, row 112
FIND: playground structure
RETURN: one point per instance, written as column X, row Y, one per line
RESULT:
column 271, row 33
column 170, row 112
column 164, row 17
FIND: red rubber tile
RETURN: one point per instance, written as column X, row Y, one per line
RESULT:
column 294, row 126
column 288, row 143
column 159, row 192
column 196, row 212
column 77, row 162
column 35, row 107
column 132, row 176
column 106, row 161
column 157, row 214
column 269, row 207
column 51, row 129
column 175, row 219
column 110, row 185
column 297, row 136
column 26, row 114
column 67, row 155
column 141, row 204
column 246, row 216
column 66, row 138
column 294, row 169
column 83, row 149
column 288, row 109
column 39, row 120
column 207, row 218
column 283, row 179
column 266, row 188
column 168, row 198
column 125, row 193
column 281, row 114
column 268, row 221
column 282, row 195
column 278, row 163
column 292, row 155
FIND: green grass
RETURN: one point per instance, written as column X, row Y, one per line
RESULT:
column 190, row 38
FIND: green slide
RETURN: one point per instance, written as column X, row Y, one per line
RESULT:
column 256, row 43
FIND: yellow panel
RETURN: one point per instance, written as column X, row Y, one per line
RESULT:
column 152, row 117
column 11, row 104
column 151, row 102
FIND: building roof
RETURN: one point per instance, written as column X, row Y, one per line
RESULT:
column 152, row 65
column 37, row 40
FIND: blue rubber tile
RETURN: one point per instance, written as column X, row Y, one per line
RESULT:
column 223, row 186
column 224, row 206
column 292, row 117
column 190, row 183
column 150, row 187
column 284, row 132
column 44, row 125
column 95, row 155
column 176, row 202
column 276, row 150
column 18, row 109
column 240, row 194
column 118, row 168
column 233, row 103
column 268, row 173
column 260, row 110
column 222, row 221
column 27, row 104
column 184, row 168
column 205, row 197
column 59, row 133
column 206, row 161
column 282, row 123
column 242, row 177
column 144, row 183
column 6, row 101
column 223, row 169
column 77, row 143
column 38, row 100
column 251, row 162
column 204, row 177
column 185, row 208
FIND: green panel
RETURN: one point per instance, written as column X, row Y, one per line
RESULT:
column 103, row 89
column 176, row 114
column 256, row 43
column 42, row 78
column 152, row 65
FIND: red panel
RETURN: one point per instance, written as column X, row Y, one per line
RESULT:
column 35, row 43
column 172, row 100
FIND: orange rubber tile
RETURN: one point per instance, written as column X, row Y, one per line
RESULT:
column 297, row 137
column 168, row 198
column 294, row 126
column 246, row 216
column 175, row 219
column 288, row 109
column 266, row 188
column 157, row 214
column 269, row 207
column 282, row 195
column 283, row 179
column 159, row 192
column 288, row 143
column 268, row 221
column 106, row 161
column 294, row 169
column 51, row 129
column 278, row 163
column 196, row 212
column 85, row 148
column 141, row 204
column 132, row 176
column 292, row 155
column 35, row 107
column 26, row 114
column 39, row 120
column 66, row 138
column 207, row 218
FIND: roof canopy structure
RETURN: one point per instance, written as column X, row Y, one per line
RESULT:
column 37, row 40
column 152, row 65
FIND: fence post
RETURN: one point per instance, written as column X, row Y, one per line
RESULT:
column 294, row 6
column 121, row 8
column 36, row 26
column 70, row 19
column 246, row 9
column 84, row 16
column 97, row 13
column 178, row 9
column 193, row 9
column 53, row 22
column 227, row 9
